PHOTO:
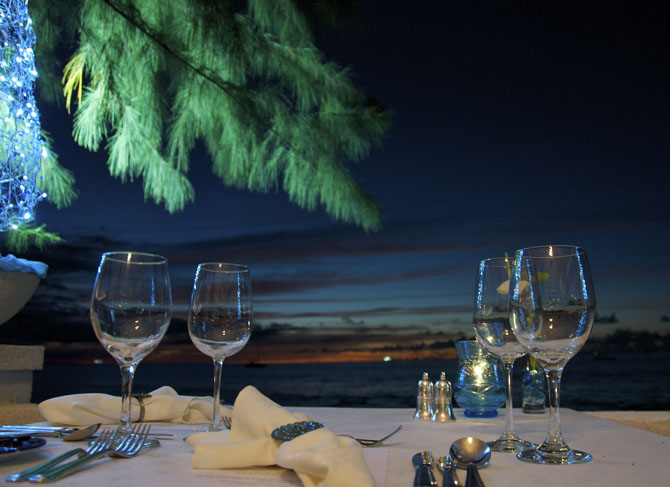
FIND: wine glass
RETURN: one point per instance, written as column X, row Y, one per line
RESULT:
column 493, row 330
column 552, row 307
column 219, row 318
column 130, row 311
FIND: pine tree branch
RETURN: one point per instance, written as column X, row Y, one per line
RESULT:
column 256, row 91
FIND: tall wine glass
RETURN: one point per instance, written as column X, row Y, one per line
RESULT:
column 219, row 318
column 493, row 330
column 130, row 311
column 552, row 307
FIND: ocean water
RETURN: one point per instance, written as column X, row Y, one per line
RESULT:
column 623, row 382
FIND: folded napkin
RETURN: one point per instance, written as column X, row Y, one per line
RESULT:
column 320, row 458
column 163, row 405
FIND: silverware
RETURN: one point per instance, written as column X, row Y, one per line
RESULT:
column 65, row 433
column 125, row 446
column 371, row 443
column 471, row 452
column 449, row 477
column 44, row 466
column 424, row 476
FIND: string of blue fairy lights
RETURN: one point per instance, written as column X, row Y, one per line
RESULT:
column 22, row 147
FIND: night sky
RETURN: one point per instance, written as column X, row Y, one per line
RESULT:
column 512, row 126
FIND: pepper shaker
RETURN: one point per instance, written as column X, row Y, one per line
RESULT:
column 443, row 411
column 424, row 399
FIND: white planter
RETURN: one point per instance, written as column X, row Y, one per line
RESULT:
column 17, row 362
column 16, row 288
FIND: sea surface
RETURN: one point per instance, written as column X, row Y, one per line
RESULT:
column 626, row 381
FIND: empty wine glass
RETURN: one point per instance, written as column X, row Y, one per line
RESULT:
column 219, row 318
column 552, row 307
column 493, row 330
column 130, row 311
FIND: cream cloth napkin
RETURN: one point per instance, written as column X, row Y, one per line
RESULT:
column 163, row 405
column 320, row 458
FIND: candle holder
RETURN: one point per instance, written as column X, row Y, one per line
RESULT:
column 479, row 387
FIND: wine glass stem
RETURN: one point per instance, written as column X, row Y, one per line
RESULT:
column 509, row 414
column 127, row 374
column 554, row 437
column 215, row 424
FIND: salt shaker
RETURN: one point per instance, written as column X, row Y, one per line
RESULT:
column 424, row 399
column 443, row 411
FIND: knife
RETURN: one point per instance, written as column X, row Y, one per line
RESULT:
column 64, row 429
column 449, row 470
column 424, row 477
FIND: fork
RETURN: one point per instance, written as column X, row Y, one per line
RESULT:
column 125, row 446
column 227, row 422
column 370, row 443
column 44, row 466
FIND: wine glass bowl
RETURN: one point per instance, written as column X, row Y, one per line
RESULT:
column 492, row 328
column 130, row 312
column 219, row 318
column 552, row 308
column 497, row 337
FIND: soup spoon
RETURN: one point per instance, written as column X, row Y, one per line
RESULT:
column 471, row 452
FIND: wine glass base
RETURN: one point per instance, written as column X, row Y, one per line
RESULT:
column 215, row 427
column 123, row 429
column 511, row 445
column 564, row 456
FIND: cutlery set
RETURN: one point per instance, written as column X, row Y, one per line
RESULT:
column 109, row 442
column 467, row 453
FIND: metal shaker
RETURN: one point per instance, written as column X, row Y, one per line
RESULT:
column 424, row 399
column 443, row 410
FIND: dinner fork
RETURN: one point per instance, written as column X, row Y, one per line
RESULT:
column 371, row 443
column 125, row 446
column 95, row 446
column 227, row 422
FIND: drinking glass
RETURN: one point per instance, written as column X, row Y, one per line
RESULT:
column 494, row 333
column 552, row 307
column 219, row 318
column 130, row 311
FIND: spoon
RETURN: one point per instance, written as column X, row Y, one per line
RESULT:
column 449, row 478
column 471, row 452
column 82, row 433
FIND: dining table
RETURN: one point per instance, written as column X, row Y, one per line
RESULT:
column 622, row 455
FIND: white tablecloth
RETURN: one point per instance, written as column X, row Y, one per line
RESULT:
column 622, row 456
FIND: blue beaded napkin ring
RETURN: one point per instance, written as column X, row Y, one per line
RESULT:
column 293, row 430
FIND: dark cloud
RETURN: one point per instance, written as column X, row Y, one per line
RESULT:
column 370, row 312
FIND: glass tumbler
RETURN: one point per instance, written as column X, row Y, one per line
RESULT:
column 480, row 386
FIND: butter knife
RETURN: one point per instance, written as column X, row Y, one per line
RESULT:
column 424, row 477
column 449, row 479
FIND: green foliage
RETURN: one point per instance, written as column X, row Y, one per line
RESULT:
column 55, row 180
column 25, row 236
column 156, row 77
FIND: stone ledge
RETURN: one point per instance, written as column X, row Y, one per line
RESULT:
column 19, row 413
column 17, row 363
column 654, row 421
column 21, row 357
